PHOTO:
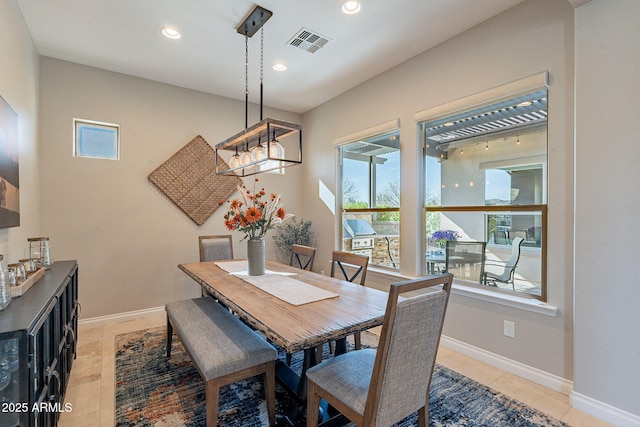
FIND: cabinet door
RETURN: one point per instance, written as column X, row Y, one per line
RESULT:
column 13, row 374
column 45, row 379
column 66, row 315
column 74, row 310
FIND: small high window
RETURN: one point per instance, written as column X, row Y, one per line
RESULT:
column 97, row 140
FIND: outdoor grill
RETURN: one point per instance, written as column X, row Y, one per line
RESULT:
column 361, row 234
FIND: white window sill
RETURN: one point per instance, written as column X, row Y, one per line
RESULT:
column 528, row 304
column 382, row 278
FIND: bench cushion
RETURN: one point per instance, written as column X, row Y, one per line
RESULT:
column 218, row 342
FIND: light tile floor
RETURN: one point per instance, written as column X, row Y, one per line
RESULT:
column 91, row 386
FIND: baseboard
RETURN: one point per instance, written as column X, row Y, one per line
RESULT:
column 603, row 411
column 530, row 373
column 119, row 317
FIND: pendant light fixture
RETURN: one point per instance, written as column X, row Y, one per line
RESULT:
column 258, row 148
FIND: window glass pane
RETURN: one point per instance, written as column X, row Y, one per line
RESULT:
column 96, row 139
column 467, row 227
column 491, row 156
column 387, row 180
column 355, row 183
column 364, row 234
column 514, row 186
column 371, row 181
column 433, row 186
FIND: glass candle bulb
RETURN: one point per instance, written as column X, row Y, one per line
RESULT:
column 276, row 150
column 259, row 153
column 245, row 158
column 235, row 161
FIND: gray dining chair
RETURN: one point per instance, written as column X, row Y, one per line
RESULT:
column 507, row 274
column 215, row 248
column 381, row 387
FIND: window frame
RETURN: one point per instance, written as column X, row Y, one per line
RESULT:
column 489, row 97
column 99, row 126
column 339, row 145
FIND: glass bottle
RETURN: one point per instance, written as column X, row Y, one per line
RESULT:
column 5, row 292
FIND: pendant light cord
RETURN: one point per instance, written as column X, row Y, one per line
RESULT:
column 261, row 60
column 246, row 81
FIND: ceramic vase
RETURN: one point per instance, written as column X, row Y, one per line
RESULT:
column 256, row 256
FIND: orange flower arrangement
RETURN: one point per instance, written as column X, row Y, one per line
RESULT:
column 252, row 215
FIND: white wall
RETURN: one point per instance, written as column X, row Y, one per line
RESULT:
column 19, row 88
column 127, row 236
column 532, row 37
column 607, row 292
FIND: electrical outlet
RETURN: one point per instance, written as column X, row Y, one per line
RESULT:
column 509, row 329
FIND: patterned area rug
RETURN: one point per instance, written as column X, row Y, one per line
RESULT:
column 152, row 390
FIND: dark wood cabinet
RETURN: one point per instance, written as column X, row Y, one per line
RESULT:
column 38, row 334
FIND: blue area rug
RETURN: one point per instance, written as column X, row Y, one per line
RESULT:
column 152, row 390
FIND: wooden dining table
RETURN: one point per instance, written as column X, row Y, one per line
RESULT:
column 294, row 328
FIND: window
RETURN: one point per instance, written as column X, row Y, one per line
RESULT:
column 96, row 139
column 516, row 185
column 370, row 202
column 486, row 181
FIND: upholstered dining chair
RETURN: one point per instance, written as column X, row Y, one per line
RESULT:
column 507, row 275
column 360, row 263
column 381, row 387
column 302, row 257
column 215, row 248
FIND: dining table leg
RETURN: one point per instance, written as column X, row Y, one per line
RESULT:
column 309, row 361
column 341, row 346
column 298, row 416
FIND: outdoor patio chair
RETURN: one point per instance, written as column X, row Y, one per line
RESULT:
column 465, row 260
column 381, row 387
column 500, row 237
column 507, row 276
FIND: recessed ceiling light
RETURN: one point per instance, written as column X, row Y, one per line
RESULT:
column 279, row 67
column 448, row 124
column 525, row 104
column 351, row 7
column 171, row 33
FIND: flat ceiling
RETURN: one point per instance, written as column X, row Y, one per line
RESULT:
column 125, row 36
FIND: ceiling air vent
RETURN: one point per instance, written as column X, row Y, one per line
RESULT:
column 308, row 40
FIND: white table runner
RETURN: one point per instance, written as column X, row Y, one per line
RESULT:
column 279, row 284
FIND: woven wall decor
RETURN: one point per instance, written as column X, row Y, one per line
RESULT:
column 188, row 179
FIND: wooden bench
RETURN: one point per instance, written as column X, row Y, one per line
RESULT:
column 223, row 349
